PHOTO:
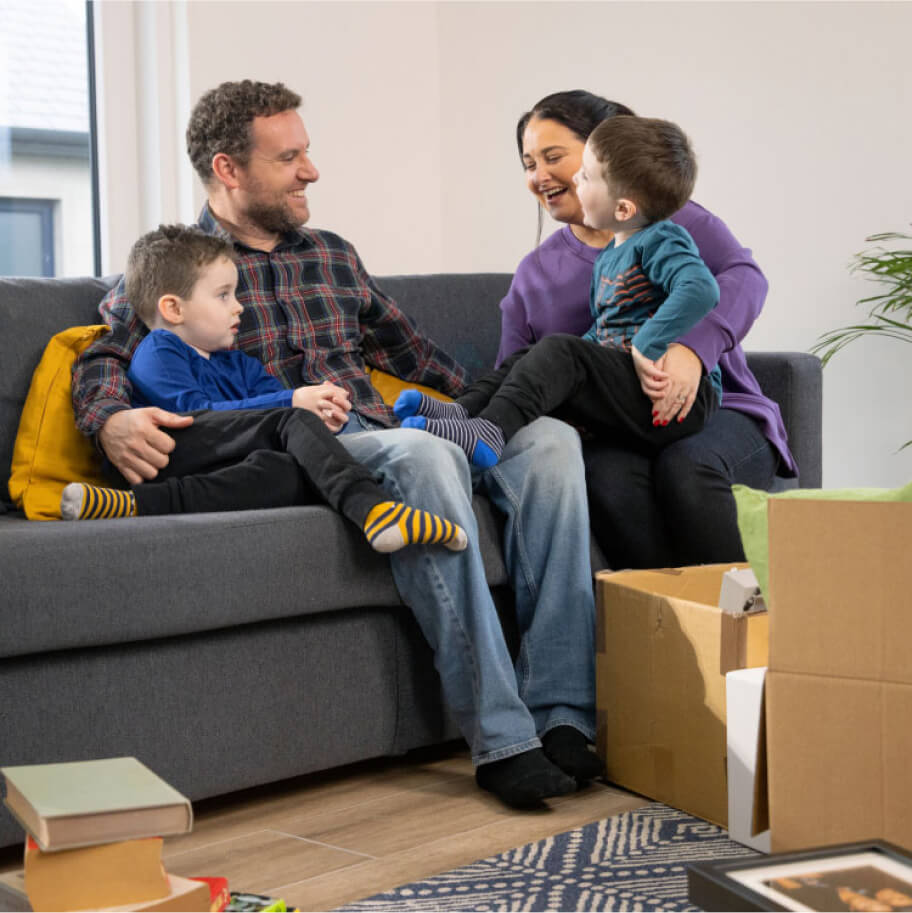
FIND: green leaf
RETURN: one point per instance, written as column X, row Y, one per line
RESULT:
column 890, row 312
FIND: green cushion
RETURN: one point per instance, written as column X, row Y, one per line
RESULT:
column 752, row 516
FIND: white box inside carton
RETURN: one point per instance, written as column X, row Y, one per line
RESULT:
column 744, row 709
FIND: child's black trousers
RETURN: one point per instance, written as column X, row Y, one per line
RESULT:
column 253, row 458
column 588, row 385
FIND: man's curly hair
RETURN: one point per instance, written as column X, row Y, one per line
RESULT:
column 221, row 120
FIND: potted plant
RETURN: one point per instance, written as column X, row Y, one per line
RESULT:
column 890, row 313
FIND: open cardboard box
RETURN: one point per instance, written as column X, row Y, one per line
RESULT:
column 663, row 648
column 838, row 701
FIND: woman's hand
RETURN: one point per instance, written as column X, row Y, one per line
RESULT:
column 683, row 370
column 329, row 402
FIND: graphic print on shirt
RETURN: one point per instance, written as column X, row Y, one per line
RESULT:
column 627, row 293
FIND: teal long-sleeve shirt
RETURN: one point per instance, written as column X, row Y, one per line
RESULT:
column 651, row 290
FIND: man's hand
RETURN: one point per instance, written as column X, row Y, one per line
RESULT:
column 136, row 445
column 329, row 402
column 684, row 370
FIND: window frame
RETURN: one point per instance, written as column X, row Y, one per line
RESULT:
column 93, row 136
column 44, row 208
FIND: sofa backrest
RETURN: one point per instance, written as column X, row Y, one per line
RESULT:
column 458, row 311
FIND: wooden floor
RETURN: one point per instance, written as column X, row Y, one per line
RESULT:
column 324, row 840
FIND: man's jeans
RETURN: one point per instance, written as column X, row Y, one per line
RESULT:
column 539, row 486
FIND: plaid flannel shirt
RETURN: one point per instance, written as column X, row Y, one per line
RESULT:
column 311, row 314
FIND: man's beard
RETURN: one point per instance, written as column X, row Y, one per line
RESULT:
column 274, row 217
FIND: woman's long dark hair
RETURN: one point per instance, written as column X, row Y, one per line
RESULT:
column 578, row 110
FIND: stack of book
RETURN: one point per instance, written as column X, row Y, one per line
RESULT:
column 94, row 840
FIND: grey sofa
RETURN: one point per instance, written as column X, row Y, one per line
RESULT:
column 229, row 650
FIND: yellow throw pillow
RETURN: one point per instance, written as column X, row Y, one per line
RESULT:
column 50, row 452
column 390, row 387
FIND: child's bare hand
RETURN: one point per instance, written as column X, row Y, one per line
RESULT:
column 684, row 370
column 329, row 402
column 653, row 379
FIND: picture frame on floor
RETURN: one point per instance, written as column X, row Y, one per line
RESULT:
column 871, row 875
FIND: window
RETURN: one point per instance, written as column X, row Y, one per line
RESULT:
column 26, row 237
column 47, row 201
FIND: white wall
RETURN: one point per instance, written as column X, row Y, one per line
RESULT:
column 799, row 112
column 370, row 78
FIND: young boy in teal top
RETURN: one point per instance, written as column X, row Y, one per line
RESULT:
column 631, row 297
column 182, row 284
column 649, row 286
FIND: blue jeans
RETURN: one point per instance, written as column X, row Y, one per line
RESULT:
column 539, row 486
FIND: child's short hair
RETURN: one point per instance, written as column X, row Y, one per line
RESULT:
column 649, row 161
column 169, row 261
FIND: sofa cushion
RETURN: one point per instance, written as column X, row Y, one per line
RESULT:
column 31, row 312
column 99, row 582
column 389, row 387
column 49, row 451
column 795, row 381
column 459, row 311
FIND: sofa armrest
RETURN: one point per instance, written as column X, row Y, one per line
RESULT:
column 795, row 381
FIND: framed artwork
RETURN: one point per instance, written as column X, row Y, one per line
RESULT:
column 869, row 876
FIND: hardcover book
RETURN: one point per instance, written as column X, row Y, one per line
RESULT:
column 81, row 803
column 129, row 872
column 187, row 894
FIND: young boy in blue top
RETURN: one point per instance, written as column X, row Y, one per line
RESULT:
column 649, row 286
column 182, row 284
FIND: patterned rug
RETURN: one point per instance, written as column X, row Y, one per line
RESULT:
column 633, row 861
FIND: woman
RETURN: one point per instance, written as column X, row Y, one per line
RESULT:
column 677, row 508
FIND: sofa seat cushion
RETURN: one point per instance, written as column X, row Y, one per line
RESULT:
column 99, row 582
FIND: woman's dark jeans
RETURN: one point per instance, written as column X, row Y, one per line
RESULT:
column 676, row 508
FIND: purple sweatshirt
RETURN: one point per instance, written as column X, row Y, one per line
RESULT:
column 550, row 294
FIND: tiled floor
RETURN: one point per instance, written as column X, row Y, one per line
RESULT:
column 324, row 840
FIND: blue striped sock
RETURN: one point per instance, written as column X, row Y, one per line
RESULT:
column 414, row 402
column 483, row 441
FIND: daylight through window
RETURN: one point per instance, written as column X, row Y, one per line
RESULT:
column 46, row 199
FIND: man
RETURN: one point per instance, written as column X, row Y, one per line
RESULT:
column 311, row 315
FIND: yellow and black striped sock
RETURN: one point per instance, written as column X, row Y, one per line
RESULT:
column 90, row 502
column 392, row 525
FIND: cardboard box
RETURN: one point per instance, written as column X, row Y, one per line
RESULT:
column 839, row 687
column 744, row 709
column 663, row 648
column 837, row 695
